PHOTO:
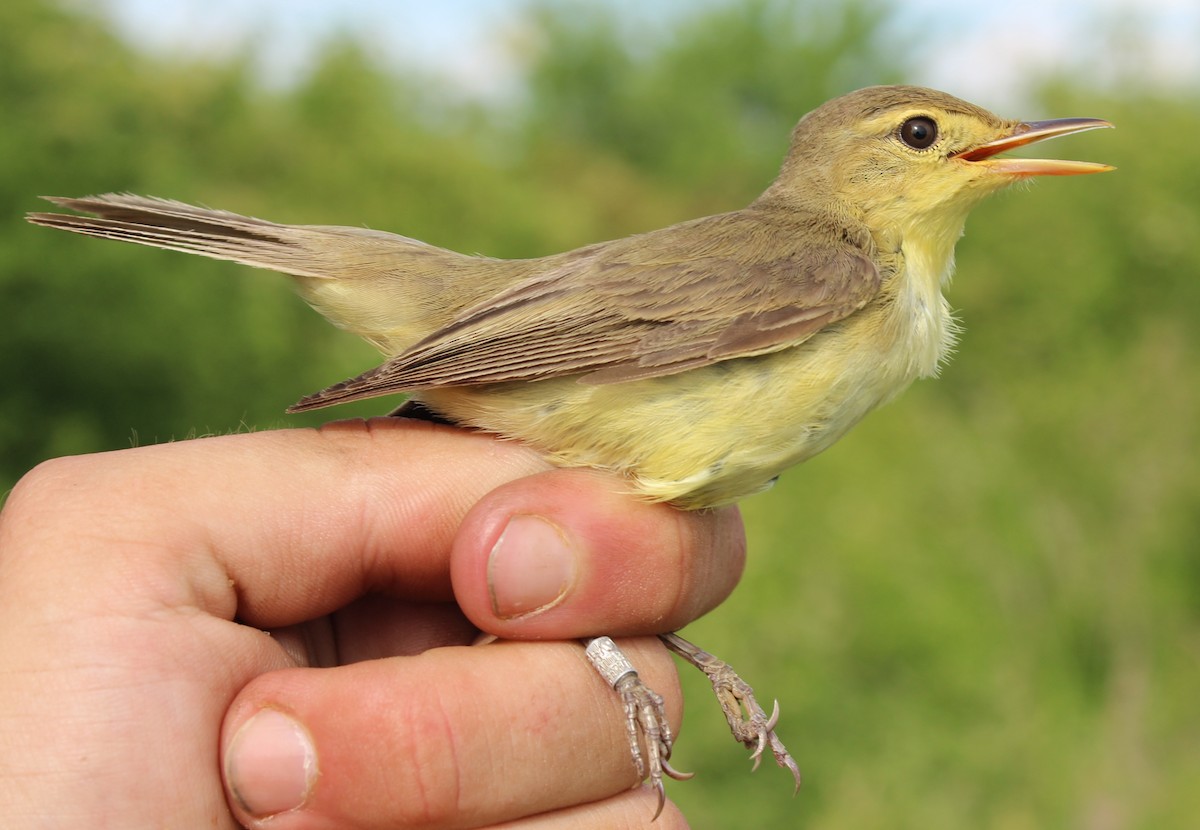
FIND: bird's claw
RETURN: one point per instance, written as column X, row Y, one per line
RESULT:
column 747, row 720
column 645, row 717
column 767, row 728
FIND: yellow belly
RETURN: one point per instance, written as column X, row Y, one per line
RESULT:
column 712, row 435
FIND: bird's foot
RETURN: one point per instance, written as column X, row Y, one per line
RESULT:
column 747, row 720
column 645, row 717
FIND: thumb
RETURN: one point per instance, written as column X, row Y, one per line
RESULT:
column 566, row 553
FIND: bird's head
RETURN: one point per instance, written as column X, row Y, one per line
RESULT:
column 900, row 157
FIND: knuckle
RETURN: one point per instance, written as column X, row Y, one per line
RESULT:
column 42, row 489
column 27, row 517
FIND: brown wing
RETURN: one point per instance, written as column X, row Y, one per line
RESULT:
column 717, row 288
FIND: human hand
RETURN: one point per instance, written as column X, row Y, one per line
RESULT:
column 219, row 631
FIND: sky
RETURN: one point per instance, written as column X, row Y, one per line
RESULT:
column 977, row 50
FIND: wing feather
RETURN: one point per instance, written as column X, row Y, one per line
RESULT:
column 713, row 289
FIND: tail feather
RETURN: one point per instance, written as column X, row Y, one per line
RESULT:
column 389, row 289
column 176, row 226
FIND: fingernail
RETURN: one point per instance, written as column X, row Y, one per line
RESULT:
column 271, row 765
column 531, row 567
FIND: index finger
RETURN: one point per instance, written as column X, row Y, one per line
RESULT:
column 272, row 527
column 280, row 527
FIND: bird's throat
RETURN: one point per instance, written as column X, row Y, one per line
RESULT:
column 927, row 327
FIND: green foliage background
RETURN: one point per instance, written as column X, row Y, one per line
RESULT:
column 982, row 609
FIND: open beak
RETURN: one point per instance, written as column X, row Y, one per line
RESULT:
column 1027, row 133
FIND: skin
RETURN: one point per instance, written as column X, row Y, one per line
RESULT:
column 136, row 587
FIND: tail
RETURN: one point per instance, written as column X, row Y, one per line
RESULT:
column 301, row 250
column 388, row 289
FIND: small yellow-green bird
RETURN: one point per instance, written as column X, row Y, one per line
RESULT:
column 698, row 361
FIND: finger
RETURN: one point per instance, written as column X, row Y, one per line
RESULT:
column 275, row 527
column 568, row 554
column 463, row 737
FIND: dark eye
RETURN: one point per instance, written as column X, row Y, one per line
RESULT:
column 919, row 133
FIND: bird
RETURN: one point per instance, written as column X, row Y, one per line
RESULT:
column 698, row 361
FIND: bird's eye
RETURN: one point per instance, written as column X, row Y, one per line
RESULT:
column 919, row 133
